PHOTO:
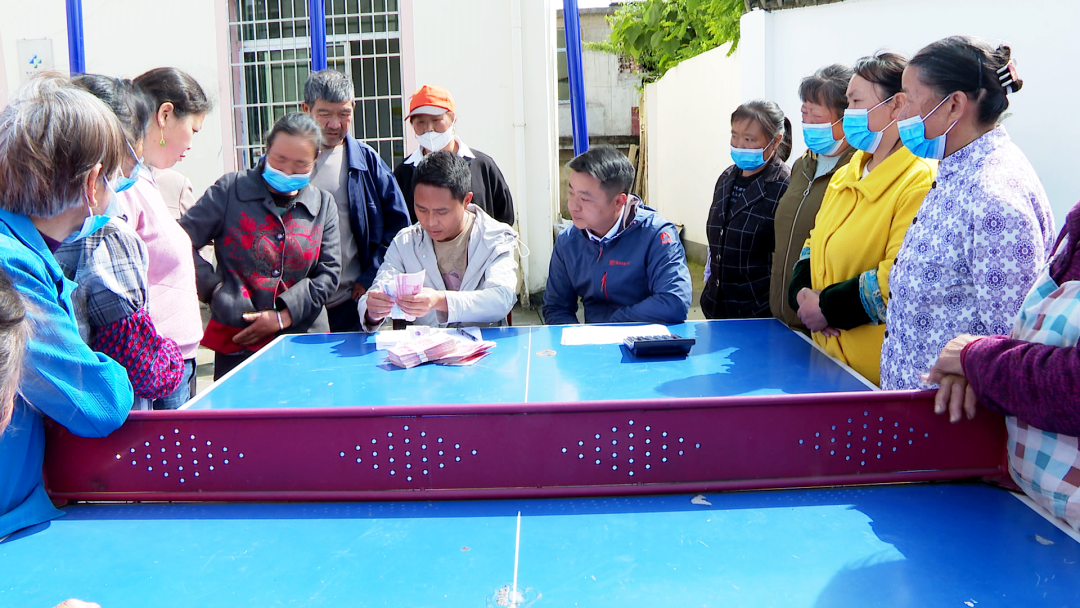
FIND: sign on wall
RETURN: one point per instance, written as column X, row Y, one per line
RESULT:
column 35, row 57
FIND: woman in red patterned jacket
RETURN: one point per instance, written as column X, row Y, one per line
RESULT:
column 276, row 242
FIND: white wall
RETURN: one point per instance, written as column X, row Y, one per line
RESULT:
column 686, row 117
column 779, row 48
column 1037, row 32
column 185, row 35
column 609, row 96
column 468, row 46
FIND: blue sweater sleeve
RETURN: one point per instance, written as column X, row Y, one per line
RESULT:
column 395, row 215
column 85, row 391
column 560, row 299
column 669, row 283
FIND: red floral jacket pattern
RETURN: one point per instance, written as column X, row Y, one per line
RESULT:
column 265, row 262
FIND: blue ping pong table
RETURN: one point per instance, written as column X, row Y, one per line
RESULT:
column 530, row 365
column 925, row 544
column 912, row 546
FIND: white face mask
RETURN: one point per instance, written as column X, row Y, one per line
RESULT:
column 433, row 141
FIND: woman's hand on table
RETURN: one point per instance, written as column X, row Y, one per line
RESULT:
column 948, row 362
column 954, row 393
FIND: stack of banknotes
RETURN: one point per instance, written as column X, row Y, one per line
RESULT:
column 442, row 348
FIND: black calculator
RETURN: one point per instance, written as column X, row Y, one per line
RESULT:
column 651, row 346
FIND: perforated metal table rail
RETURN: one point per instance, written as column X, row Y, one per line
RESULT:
column 321, row 418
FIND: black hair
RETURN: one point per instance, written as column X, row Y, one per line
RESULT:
column 885, row 69
column 772, row 120
column 444, row 169
column 969, row 65
column 328, row 85
column 827, row 87
column 299, row 124
column 608, row 166
column 132, row 106
column 170, row 85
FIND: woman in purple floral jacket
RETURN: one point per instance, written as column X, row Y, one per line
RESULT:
column 984, row 229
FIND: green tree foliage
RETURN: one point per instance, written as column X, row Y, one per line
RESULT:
column 658, row 34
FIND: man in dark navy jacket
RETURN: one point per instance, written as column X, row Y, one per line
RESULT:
column 622, row 259
column 371, row 208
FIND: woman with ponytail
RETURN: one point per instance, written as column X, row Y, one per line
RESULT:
column 984, row 230
column 179, row 106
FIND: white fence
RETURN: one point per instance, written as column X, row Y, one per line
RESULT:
column 688, row 111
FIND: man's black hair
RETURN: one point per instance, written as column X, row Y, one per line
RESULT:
column 444, row 169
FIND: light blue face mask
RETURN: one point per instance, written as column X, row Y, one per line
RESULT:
column 820, row 140
column 748, row 159
column 284, row 183
column 857, row 129
column 93, row 223
column 126, row 181
column 913, row 134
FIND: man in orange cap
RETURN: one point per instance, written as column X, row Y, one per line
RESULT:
column 431, row 114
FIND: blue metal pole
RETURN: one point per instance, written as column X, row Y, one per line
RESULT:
column 76, row 53
column 572, row 25
column 317, row 15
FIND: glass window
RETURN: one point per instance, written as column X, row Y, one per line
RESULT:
column 273, row 62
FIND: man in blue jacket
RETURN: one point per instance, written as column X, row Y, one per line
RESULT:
column 621, row 258
column 371, row 208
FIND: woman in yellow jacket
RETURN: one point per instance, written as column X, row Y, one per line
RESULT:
column 840, row 287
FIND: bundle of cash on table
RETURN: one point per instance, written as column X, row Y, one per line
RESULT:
column 448, row 347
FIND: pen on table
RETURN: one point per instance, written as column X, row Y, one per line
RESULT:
column 468, row 335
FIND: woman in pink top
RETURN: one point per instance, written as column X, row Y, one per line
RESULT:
column 174, row 305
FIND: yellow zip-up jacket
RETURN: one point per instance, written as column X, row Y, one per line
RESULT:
column 857, row 233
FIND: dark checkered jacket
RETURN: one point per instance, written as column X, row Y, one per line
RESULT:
column 741, row 244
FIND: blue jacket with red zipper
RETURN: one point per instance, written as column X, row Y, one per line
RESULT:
column 638, row 275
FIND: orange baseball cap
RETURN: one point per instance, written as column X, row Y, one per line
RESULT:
column 431, row 100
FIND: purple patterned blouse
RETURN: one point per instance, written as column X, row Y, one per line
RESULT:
column 978, row 242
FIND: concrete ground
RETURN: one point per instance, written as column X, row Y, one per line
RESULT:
column 521, row 316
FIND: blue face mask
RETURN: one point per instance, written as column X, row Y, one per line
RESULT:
column 857, row 129
column 126, row 181
column 913, row 134
column 93, row 223
column 820, row 140
column 748, row 159
column 285, row 183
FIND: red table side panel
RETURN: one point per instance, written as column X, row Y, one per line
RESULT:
column 617, row 447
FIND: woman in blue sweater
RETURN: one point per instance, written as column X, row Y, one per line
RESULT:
column 59, row 145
